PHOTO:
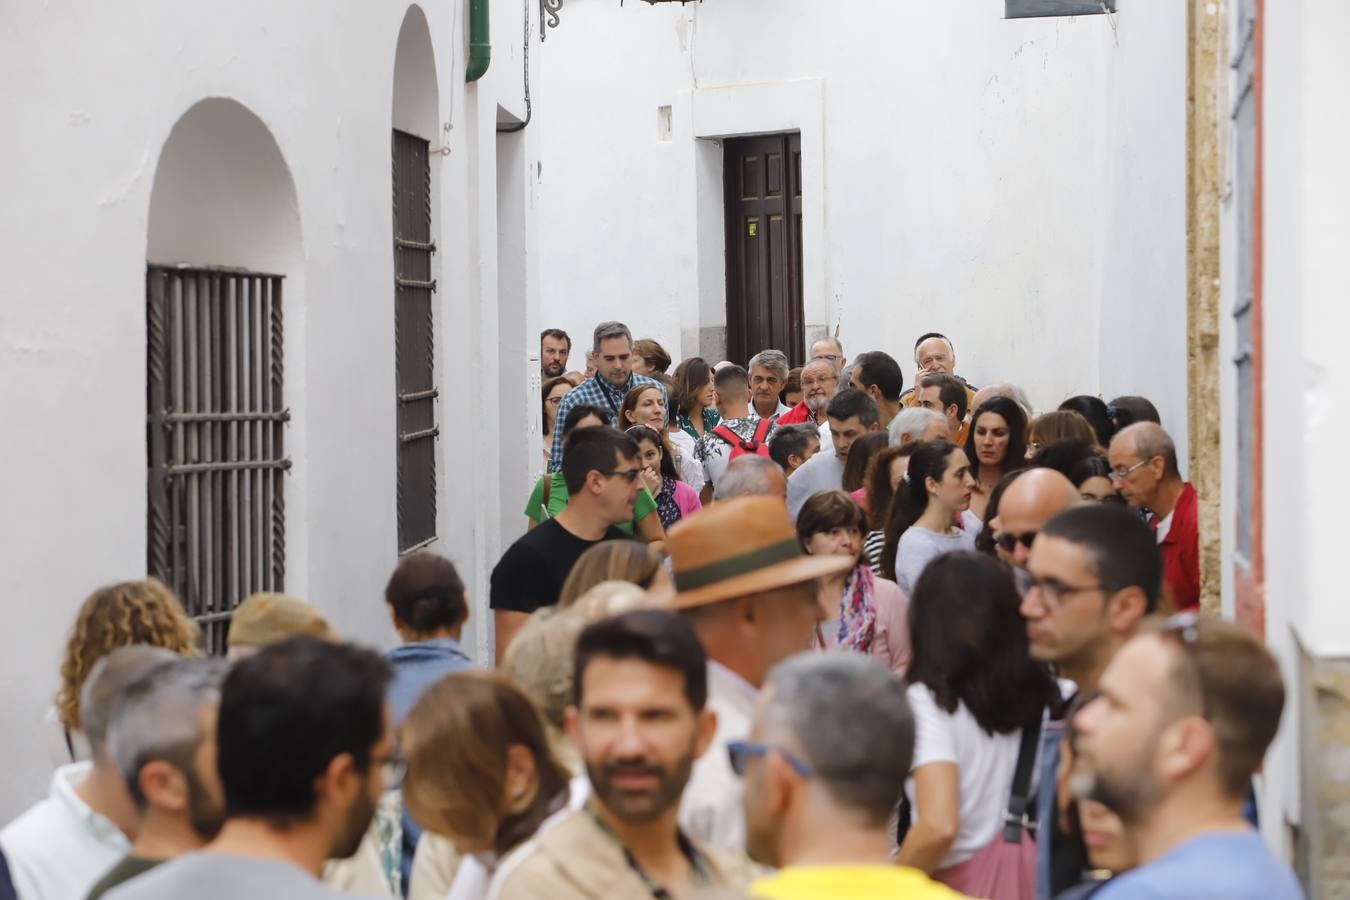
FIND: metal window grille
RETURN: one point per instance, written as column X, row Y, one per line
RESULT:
column 414, row 342
column 215, row 438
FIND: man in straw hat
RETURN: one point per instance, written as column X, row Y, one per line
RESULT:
column 753, row 597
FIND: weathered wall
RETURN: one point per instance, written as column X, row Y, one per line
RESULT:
column 1016, row 184
column 96, row 92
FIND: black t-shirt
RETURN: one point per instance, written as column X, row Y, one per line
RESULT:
column 531, row 573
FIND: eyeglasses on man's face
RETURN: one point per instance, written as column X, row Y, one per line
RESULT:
column 1009, row 541
column 628, row 475
column 828, row 357
column 1054, row 593
column 1122, row 474
column 740, row 752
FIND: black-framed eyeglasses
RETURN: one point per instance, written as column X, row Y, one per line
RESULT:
column 1122, row 474
column 628, row 475
column 739, row 753
column 1010, row 541
column 1054, row 592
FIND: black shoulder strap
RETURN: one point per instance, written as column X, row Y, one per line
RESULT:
column 1021, row 813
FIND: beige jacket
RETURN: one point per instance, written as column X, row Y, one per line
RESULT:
column 576, row 860
column 711, row 810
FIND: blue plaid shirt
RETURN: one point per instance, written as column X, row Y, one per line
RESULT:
column 597, row 392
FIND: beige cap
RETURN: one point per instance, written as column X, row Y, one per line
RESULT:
column 265, row 619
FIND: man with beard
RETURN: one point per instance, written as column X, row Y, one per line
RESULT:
column 612, row 346
column 163, row 739
column 639, row 721
column 554, row 349
column 827, row 759
column 1094, row 573
column 1182, row 720
column 304, row 752
column 819, row 385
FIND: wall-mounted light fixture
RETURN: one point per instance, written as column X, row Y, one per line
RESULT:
column 1033, row 9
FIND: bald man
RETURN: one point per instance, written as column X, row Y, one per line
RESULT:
column 1011, row 391
column 1144, row 470
column 1034, row 498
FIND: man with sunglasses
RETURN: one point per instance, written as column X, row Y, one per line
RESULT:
column 1144, row 470
column 602, row 471
column 1094, row 574
column 1034, row 498
column 1182, row 720
column 827, row 756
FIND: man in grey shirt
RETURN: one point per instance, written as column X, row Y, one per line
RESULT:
column 851, row 414
column 304, row 752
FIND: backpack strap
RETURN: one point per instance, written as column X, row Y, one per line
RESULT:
column 1021, row 813
column 728, row 435
column 762, row 430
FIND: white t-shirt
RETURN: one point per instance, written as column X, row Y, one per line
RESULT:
column 985, row 764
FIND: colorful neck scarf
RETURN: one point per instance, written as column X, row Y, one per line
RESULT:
column 858, row 611
column 666, row 507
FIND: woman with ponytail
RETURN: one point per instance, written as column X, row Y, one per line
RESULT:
column 925, row 517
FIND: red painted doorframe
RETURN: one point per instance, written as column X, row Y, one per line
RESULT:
column 1251, row 586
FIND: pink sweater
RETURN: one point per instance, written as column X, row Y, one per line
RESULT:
column 890, row 643
column 686, row 498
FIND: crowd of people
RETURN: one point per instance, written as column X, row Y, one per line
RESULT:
column 768, row 633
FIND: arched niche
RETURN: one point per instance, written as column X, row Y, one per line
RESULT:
column 416, row 96
column 223, row 194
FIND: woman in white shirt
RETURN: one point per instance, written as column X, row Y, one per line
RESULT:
column 973, row 686
column 925, row 519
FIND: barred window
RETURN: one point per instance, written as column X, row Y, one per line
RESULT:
column 414, row 342
column 216, row 431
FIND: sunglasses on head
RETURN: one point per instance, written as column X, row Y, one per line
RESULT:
column 1010, row 541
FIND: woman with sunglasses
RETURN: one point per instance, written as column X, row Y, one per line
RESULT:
column 870, row 616
column 995, row 446
column 926, row 512
column 675, row 500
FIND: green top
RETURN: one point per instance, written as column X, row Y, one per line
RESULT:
column 127, row 869
column 643, row 507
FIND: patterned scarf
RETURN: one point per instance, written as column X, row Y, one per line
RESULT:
column 666, row 507
column 858, row 611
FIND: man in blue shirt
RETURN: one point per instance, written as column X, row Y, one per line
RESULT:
column 1183, row 717
column 614, row 378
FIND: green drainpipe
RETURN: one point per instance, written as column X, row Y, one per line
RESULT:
column 480, row 40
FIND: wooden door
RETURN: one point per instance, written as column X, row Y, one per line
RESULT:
column 764, row 246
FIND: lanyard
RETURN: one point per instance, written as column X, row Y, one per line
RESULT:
column 658, row 891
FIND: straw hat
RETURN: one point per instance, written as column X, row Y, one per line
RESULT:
column 739, row 547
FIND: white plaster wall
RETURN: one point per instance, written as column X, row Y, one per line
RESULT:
column 1142, row 297
column 1305, row 285
column 1001, row 181
column 73, row 237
